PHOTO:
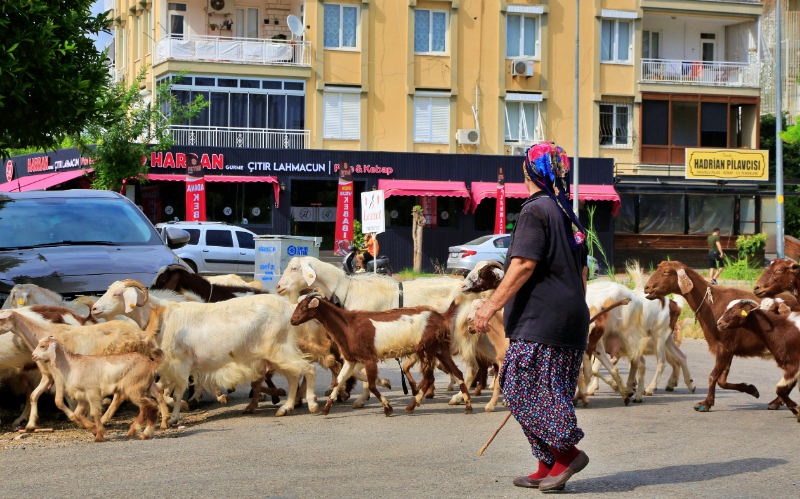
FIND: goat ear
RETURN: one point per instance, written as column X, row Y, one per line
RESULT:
column 500, row 274
column 784, row 309
column 313, row 303
column 5, row 315
column 794, row 268
column 133, row 298
column 684, row 282
column 52, row 348
column 308, row 274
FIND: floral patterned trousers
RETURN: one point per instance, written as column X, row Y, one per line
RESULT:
column 538, row 383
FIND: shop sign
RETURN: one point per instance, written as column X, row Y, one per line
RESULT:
column 9, row 171
column 500, row 211
column 428, row 204
column 727, row 164
column 344, row 210
column 373, row 214
column 195, row 191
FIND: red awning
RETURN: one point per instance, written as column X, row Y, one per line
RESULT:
column 423, row 188
column 483, row 190
column 223, row 178
column 41, row 182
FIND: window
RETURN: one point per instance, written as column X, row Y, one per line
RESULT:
column 246, row 23
column 439, row 211
column 709, row 46
column 137, row 36
column 651, row 44
column 502, row 242
column 522, row 36
column 245, row 240
column 177, row 19
column 194, row 236
column 342, row 115
column 430, row 31
column 432, row 119
column 615, row 125
column 341, row 25
column 149, row 34
column 123, row 47
column 522, row 122
column 616, row 41
column 219, row 238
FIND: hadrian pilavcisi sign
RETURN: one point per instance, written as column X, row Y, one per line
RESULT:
column 727, row 164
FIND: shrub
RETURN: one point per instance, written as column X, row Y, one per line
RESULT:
column 750, row 246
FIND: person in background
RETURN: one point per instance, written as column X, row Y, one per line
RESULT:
column 371, row 245
column 715, row 256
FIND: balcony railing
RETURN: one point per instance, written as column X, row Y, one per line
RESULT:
column 720, row 74
column 233, row 50
column 260, row 138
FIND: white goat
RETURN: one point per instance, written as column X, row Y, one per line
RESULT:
column 232, row 280
column 25, row 295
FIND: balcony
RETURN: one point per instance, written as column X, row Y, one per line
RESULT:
column 259, row 138
column 258, row 51
column 718, row 74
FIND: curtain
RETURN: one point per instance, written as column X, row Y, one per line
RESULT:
column 219, row 109
column 238, row 25
column 512, row 35
column 239, row 110
column 626, row 217
column 530, row 36
column 331, row 25
column 349, row 26
column 202, row 118
column 252, row 23
column 709, row 212
column 182, row 96
column 277, row 111
column 295, row 112
column 422, row 30
column 258, row 111
column 439, row 31
column 661, row 214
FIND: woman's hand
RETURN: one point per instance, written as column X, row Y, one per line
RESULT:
column 484, row 315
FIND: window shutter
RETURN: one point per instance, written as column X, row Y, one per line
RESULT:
column 422, row 119
column 332, row 116
column 351, row 116
column 440, row 120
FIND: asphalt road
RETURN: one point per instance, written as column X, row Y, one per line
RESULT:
column 660, row 448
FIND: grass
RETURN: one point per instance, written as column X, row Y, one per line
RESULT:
column 410, row 274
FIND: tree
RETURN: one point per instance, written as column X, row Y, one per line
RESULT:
column 418, row 224
column 791, row 166
column 52, row 76
column 134, row 129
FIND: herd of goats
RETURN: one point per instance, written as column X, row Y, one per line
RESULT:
column 147, row 345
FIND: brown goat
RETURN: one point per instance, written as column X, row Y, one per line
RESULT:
column 708, row 303
column 779, row 332
column 60, row 315
column 781, row 276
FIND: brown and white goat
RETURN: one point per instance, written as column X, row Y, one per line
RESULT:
column 781, row 333
column 365, row 337
column 88, row 378
column 782, row 276
column 196, row 288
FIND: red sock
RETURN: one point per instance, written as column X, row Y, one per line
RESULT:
column 563, row 459
column 542, row 472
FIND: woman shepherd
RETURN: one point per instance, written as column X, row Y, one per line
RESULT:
column 546, row 320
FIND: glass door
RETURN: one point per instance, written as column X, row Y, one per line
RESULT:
column 177, row 20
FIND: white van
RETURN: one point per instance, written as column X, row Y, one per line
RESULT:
column 216, row 247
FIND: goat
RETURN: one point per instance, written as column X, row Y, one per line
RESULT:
column 365, row 337
column 24, row 295
column 497, row 335
column 97, row 339
column 88, row 378
column 197, row 288
column 708, row 303
column 232, row 280
column 231, row 342
column 781, row 276
column 781, row 334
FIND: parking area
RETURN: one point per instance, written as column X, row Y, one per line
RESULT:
column 660, row 448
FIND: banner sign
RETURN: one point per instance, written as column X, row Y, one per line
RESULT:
column 428, row 204
column 727, row 164
column 151, row 202
column 195, row 190
column 344, row 210
column 500, row 212
column 373, row 215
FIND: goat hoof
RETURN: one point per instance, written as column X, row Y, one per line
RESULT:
column 692, row 389
column 19, row 421
column 586, row 404
column 649, row 393
column 489, row 408
column 223, row 399
column 752, row 390
column 410, row 409
column 637, row 400
column 385, row 383
column 702, row 407
column 477, row 392
column 184, row 405
column 358, row 405
column 142, row 436
column 670, row 388
column 313, row 408
column 468, row 409
column 328, row 392
column 282, row 412
column 627, row 400
column 451, row 389
column 770, row 407
column 172, row 421
column 388, row 411
column 276, row 400
column 231, row 390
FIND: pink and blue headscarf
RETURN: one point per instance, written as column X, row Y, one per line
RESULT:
column 547, row 166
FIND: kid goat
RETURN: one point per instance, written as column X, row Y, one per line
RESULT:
column 364, row 338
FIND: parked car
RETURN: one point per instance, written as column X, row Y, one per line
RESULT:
column 216, row 247
column 78, row 242
column 463, row 258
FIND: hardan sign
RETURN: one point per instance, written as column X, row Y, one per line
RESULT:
column 727, row 164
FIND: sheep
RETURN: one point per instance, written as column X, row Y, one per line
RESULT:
column 104, row 338
column 232, row 280
column 781, row 334
column 88, row 378
column 708, row 303
column 23, row 295
column 196, row 288
column 231, row 342
column 366, row 337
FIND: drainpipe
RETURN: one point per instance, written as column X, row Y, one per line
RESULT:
column 778, row 142
column 575, row 201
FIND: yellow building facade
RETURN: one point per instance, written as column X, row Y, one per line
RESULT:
column 656, row 76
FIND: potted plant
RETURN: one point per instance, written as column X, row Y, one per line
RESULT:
column 213, row 26
column 226, row 25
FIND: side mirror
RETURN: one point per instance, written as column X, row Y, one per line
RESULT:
column 176, row 238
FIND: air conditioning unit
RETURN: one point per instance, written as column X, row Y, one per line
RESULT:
column 464, row 137
column 518, row 150
column 521, row 68
column 220, row 7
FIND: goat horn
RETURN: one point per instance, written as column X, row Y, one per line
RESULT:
column 316, row 294
column 493, row 263
column 133, row 283
column 750, row 302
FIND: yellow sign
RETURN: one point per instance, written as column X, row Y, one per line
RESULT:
column 728, row 164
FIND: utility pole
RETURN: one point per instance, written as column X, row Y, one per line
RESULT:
column 575, row 155
column 779, row 225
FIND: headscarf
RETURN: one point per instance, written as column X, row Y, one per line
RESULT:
column 547, row 166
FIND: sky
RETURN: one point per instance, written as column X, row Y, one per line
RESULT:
column 100, row 41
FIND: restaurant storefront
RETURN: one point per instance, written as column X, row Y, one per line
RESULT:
column 290, row 191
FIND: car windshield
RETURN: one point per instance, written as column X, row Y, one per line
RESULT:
column 31, row 223
column 476, row 242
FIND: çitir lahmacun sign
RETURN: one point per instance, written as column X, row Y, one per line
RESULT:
column 727, row 164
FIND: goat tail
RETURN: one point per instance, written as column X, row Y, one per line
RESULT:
column 450, row 314
column 635, row 270
column 158, row 357
column 154, row 325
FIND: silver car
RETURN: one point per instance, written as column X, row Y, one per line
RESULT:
column 463, row 259
column 216, row 247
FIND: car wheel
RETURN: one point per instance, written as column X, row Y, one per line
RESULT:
column 191, row 265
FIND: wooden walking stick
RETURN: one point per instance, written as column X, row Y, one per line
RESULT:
column 505, row 420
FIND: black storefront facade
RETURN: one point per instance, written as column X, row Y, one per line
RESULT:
column 293, row 191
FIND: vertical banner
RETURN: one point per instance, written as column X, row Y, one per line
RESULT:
column 195, row 190
column 344, row 210
column 428, row 204
column 500, row 213
column 151, row 202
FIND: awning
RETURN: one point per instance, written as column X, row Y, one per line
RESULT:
column 41, row 182
column 423, row 188
column 483, row 190
column 223, row 178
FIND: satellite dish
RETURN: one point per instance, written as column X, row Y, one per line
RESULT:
column 295, row 25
